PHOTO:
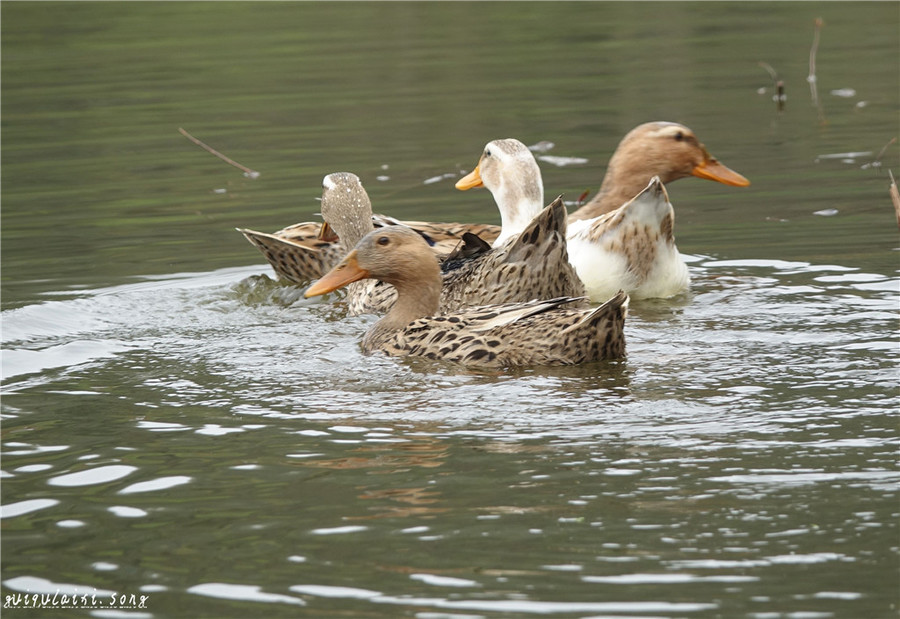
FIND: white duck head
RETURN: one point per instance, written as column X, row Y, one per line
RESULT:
column 509, row 171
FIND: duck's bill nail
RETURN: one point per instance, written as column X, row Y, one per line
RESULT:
column 327, row 233
column 715, row 171
column 347, row 272
column 470, row 180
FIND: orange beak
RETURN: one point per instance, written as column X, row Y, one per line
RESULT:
column 347, row 272
column 712, row 170
column 327, row 233
column 470, row 180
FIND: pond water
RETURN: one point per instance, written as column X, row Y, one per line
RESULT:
column 179, row 426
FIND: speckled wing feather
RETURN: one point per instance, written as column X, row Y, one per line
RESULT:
column 534, row 265
column 548, row 332
column 443, row 231
column 295, row 253
column 631, row 248
column 298, row 255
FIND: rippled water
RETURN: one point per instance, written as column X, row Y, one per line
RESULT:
column 178, row 426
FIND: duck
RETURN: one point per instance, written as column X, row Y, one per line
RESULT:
column 533, row 264
column 299, row 253
column 635, row 249
column 305, row 251
column 531, row 333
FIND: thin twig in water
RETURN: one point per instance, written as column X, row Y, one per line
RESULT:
column 881, row 152
column 811, row 78
column 895, row 197
column 876, row 163
column 247, row 171
column 779, row 97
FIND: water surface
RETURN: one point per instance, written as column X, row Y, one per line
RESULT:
column 178, row 425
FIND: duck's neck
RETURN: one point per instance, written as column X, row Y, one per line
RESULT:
column 626, row 176
column 416, row 298
column 353, row 225
column 349, row 212
column 618, row 187
column 519, row 204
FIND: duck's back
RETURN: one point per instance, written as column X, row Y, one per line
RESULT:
column 534, row 265
column 537, row 333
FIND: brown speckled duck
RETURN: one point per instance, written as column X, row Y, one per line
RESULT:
column 305, row 251
column 543, row 332
column 298, row 253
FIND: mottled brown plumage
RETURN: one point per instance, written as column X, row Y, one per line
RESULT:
column 543, row 332
column 296, row 253
column 531, row 265
column 305, row 251
column 631, row 248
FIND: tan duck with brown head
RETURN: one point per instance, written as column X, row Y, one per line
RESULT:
column 544, row 332
column 668, row 150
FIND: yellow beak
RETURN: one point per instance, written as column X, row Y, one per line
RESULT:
column 712, row 170
column 470, row 180
column 347, row 272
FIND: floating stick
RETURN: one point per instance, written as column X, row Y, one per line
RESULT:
column 876, row 163
column 895, row 196
column 247, row 171
column 779, row 97
column 811, row 78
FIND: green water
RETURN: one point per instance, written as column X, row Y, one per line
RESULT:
column 177, row 425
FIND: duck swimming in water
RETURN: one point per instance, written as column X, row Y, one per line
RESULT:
column 540, row 332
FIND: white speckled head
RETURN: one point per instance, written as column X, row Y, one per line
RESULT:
column 346, row 207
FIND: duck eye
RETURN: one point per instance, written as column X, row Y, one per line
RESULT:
column 383, row 240
column 679, row 136
column 487, row 153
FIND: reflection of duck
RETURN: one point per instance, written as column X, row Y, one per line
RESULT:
column 532, row 333
column 635, row 249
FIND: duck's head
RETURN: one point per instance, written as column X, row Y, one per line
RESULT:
column 346, row 207
column 509, row 171
column 504, row 161
column 671, row 151
column 394, row 254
